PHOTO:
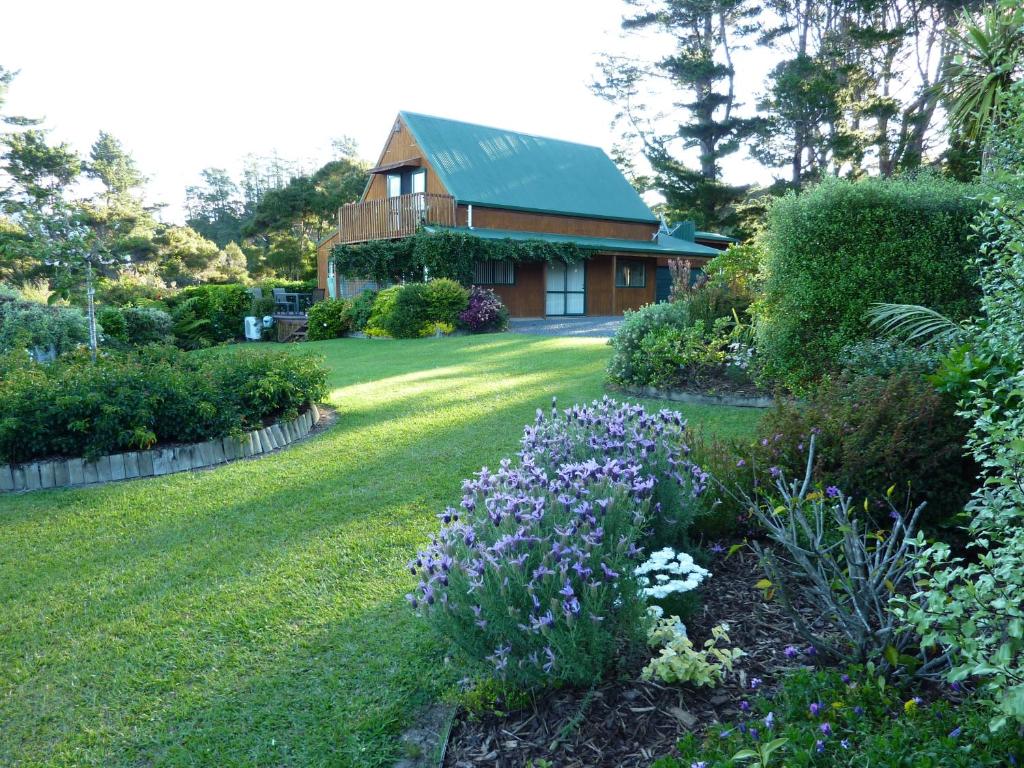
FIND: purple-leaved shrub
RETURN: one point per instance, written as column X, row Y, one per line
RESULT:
column 485, row 312
column 656, row 442
column 532, row 575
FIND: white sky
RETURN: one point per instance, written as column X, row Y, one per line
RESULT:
column 189, row 85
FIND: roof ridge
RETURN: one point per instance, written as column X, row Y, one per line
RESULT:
column 404, row 112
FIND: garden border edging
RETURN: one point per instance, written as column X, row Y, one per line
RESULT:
column 68, row 473
column 693, row 398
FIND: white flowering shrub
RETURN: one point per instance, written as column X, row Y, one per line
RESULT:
column 667, row 572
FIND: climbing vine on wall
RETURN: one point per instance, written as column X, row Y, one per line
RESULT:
column 442, row 254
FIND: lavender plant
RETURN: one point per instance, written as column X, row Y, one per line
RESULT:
column 656, row 442
column 532, row 575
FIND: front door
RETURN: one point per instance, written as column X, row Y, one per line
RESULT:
column 566, row 288
column 663, row 284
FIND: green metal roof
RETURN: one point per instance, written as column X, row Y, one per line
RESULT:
column 714, row 236
column 507, row 169
column 663, row 246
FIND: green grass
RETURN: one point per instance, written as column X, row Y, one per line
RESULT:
column 254, row 614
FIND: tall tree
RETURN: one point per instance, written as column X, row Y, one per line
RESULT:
column 701, row 75
column 214, row 208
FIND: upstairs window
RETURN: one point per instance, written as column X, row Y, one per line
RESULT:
column 630, row 274
column 494, row 272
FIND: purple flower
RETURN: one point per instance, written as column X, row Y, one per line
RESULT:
column 717, row 548
column 894, row 514
column 699, row 764
column 791, row 652
column 845, row 743
column 811, row 650
column 775, row 472
column 955, row 732
column 845, row 678
column 566, row 590
column 769, row 720
column 815, row 708
column 755, row 683
column 819, row 746
column 826, row 729
column 858, row 710
column 755, row 734
column 741, row 463
column 744, row 706
column 832, row 492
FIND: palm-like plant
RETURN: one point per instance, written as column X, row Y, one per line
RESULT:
column 912, row 322
column 989, row 59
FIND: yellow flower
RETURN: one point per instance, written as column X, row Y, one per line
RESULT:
column 910, row 706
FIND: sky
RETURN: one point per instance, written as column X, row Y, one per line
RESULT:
column 191, row 85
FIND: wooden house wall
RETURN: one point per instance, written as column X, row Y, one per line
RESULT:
column 323, row 251
column 523, row 221
column 527, row 296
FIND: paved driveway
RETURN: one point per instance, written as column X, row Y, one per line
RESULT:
column 600, row 327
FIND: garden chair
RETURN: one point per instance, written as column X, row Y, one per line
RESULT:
column 281, row 301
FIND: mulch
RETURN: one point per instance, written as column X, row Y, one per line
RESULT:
column 629, row 722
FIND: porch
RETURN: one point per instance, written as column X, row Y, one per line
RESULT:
column 394, row 217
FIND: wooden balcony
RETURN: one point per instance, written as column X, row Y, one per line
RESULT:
column 394, row 217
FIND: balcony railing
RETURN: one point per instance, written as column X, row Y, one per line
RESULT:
column 394, row 216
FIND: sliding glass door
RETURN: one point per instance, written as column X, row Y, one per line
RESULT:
column 566, row 288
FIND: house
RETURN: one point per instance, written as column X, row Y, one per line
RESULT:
column 444, row 174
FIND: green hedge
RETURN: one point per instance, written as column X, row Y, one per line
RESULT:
column 129, row 401
column 415, row 309
column 834, row 250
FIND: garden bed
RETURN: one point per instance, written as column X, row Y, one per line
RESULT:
column 162, row 460
column 630, row 722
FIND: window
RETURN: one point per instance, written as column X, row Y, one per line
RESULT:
column 630, row 274
column 494, row 273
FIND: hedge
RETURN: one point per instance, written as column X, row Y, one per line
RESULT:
column 127, row 401
column 837, row 248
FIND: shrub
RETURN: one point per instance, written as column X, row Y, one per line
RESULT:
column 383, row 307
column 628, row 364
column 26, row 325
column 329, row 319
column 532, row 576
column 873, row 433
column 834, row 250
column 115, row 329
column 484, row 312
column 360, row 309
column 126, row 401
column 885, row 357
column 825, row 555
column 845, row 719
column 410, row 312
column 606, row 429
column 209, row 314
column 147, row 325
column 972, row 607
column 446, row 300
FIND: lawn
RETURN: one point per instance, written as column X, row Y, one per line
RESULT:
column 254, row 614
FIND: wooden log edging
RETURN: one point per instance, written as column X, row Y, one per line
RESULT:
column 693, row 398
column 66, row 473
